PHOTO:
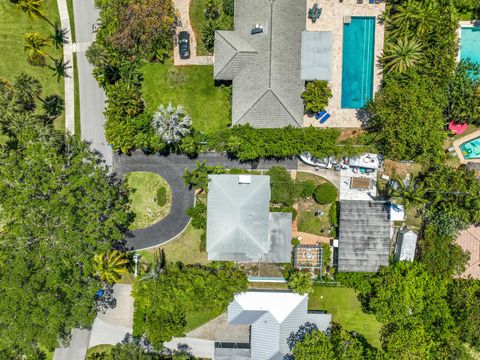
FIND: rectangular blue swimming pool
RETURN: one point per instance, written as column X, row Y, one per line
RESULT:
column 470, row 43
column 358, row 62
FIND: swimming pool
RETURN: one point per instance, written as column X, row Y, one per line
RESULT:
column 358, row 62
column 471, row 149
column 470, row 43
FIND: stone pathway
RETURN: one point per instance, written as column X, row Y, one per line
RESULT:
column 182, row 7
column 68, row 59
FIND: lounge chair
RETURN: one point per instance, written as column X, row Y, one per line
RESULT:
column 320, row 115
column 325, row 118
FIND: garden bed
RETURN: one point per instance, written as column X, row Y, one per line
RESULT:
column 146, row 209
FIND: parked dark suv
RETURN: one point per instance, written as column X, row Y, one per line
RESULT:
column 184, row 44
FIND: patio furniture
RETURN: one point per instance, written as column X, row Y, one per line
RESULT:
column 320, row 115
column 324, row 119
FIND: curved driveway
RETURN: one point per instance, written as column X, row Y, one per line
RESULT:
column 171, row 168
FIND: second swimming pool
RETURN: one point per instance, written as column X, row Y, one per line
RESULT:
column 358, row 62
column 471, row 149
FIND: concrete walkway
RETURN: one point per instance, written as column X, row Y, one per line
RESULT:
column 171, row 168
column 183, row 8
column 68, row 59
column 200, row 348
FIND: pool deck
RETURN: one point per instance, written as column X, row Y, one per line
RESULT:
column 457, row 143
column 333, row 13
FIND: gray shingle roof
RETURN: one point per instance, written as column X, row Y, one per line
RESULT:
column 239, row 224
column 363, row 243
column 264, row 68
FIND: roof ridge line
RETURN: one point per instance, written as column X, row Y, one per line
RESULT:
column 281, row 102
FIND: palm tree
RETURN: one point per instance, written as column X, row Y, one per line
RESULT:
column 34, row 45
column 171, row 123
column 33, row 9
column 59, row 36
column 404, row 20
column 401, row 55
column 425, row 18
column 109, row 267
column 410, row 194
column 53, row 105
column 27, row 90
column 60, row 68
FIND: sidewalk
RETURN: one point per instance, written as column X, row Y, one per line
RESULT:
column 68, row 59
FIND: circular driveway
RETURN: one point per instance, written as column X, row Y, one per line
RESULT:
column 171, row 168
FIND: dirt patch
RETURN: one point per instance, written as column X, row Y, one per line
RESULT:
column 395, row 167
column 349, row 133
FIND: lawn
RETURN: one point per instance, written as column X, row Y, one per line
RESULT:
column 190, row 86
column 198, row 318
column 13, row 25
column 185, row 248
column 198, row 21
column 143, row 204
column 346, row 310
column 98, row 350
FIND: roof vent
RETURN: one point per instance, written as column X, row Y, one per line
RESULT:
column 258, row 29
column 244, row 179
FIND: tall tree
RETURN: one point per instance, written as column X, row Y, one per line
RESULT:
column 401, row 55
column 171, row 123
column 411, row 193
column 110, row 266
column 33, row 9
column 60, row 207
column 34, row 46
column 27, row 90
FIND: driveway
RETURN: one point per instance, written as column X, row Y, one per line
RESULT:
column 92, row 97
column 171, row 168
column 200, row 348
column 77, row 348
column 111, row 327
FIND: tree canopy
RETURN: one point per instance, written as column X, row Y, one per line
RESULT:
column 60, row 207
column 405, row 120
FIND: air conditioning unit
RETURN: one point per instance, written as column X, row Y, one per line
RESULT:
column 244, row 179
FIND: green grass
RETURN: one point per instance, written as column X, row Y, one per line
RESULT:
column 104, row 348
column 304, row 176
column 72, row 19
column 13, row 26
column 184, row 248
column 190, row 86
column 78, row 128
column 309, row 223
column 198, row 21
column 196, row 319
column 143, row 203
column 346, row 310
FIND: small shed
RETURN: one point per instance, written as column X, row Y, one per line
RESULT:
column 406, row 245
column 316, row 61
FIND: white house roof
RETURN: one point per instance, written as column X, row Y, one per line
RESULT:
column 273, row 316
column 280, row 305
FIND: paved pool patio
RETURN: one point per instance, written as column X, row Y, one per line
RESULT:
column 332, row 18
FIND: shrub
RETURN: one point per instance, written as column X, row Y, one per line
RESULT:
column 300, row 282
column 306, row 189
column 333, row 217
column 327, row 254
column 228, row 7
column 203, row 242
column 325, row 193
column 316, row 96
column 295, row 242
column 161, row 196
column 289, row 209
column 281, row 185
column 198, row 215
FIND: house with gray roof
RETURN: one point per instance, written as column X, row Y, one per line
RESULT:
column 406, row 245
column 240, row 226
column 364, row 235
column 262, row 58
column 273, row 316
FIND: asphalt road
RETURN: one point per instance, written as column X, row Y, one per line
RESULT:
column 92, row 97
column 171, row 168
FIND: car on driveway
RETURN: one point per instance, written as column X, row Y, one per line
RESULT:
column 184, row 44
